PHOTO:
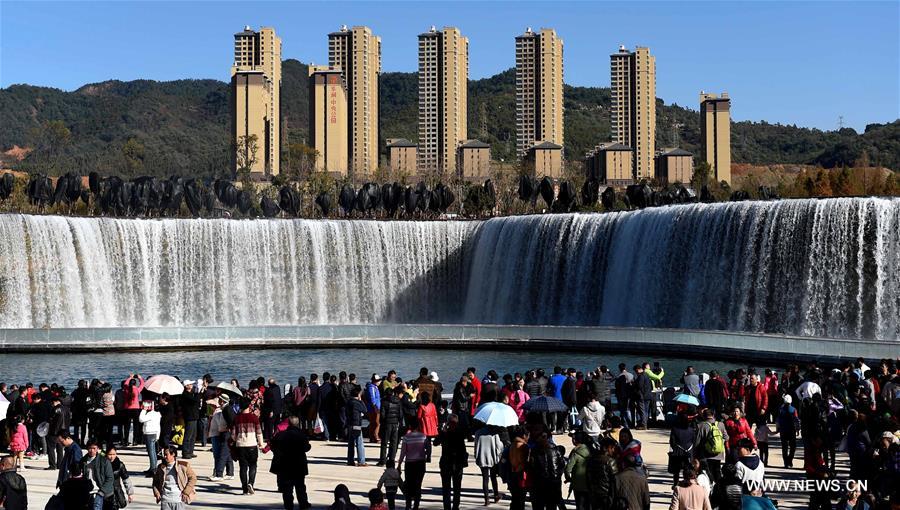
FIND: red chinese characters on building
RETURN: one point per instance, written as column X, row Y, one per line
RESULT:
column 332, row 87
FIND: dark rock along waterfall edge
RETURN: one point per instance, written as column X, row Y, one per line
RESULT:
column 826, row 268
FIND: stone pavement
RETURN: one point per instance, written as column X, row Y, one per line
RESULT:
column 328, row 468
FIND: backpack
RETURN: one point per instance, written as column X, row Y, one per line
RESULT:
column 715, row 443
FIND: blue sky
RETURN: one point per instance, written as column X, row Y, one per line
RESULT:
column 804, row 63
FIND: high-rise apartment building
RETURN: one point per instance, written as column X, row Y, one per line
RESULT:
column 256, row 100
column 443, row 82
column 539, row 89
column 633, row 116
column 328, row 119
column 357, row 52
column 715, row 134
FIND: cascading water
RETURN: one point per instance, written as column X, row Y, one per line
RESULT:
column 808, row 267
column 75, row 272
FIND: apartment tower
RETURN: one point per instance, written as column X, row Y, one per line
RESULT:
column 256, row 100
column 328, row 119
column 715, row 134
column 539, row 89
column 357, row 52
column 633, row 116
column 443, row 82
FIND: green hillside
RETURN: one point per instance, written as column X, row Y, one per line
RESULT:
column 164, row 128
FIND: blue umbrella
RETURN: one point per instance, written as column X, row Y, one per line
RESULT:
column 545, row 405
column 496, row 413
column 686, row 398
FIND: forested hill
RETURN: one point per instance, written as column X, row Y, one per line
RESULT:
column 182, row 126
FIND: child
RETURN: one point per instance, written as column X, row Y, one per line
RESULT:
column 391, row 481
column 18, row 442
column 376, row 500
column 762, row 435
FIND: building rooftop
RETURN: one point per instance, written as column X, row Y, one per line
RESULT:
column 676, row 152
column 615, row 147
column 475, row 144
column 546, row 145
column 400, row 142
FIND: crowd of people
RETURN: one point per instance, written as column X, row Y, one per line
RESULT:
column 720, row 427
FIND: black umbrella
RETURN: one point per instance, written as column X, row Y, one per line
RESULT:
column 545, row 405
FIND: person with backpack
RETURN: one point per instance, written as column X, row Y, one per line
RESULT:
column 682, row 441
column 545, row 468
column 787, row 424
column 513, row 464
column 711, row 438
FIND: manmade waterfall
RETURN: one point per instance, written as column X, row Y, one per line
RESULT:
column 807, row 267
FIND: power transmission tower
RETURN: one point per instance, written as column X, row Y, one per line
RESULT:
column 840, row 122
column 675, row 126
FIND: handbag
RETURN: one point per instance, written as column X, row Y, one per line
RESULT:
column 319, row 426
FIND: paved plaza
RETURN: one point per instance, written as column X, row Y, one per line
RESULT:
column 328, row 468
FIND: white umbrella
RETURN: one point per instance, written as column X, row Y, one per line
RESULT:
column 496, row 413
column 229, row 388
column 164, row 384
column 4, row 405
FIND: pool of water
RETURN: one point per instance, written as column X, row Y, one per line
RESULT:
column 287, row 364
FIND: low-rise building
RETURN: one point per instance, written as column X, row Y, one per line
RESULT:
column 674, row 165
column 401, row 156
column 611, row 164
column 544, row 159
column 473, row 160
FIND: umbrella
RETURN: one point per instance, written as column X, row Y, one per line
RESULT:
column 4, row 405
column 686, row 398
column 545, row 405
column 496, row 413
column 164, row 384
column 229, row 388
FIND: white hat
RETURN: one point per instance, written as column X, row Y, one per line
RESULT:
column 434, row 376
column 187, row 382
column 788, row 399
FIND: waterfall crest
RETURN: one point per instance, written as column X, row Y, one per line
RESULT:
column 809, row 267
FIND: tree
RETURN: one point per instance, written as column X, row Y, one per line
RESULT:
column 301, row 161
column 53, row 137
column 133, row 152
column 246, row 148
column 891, row 185
column 822, row 185
column 700, row 178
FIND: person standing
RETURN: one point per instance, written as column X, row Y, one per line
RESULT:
column 220, row 435
column 174, row 483
column 756, row 399
column 166, row 420
column 711, row 439
column 788, row 423
column 272, row 407
column 642, row 395
column 738, row 429
column 577, row 470
column 18, row 441
column 623, row 393
column 80, row 410
column 390, row 415
column 488, row 449
column 75, row 492
column 150, row 423
column 248, row 439
column 454, row 459
column 131, row 407
column 71, row 456
column 691, row 382
column 190, row 411
column 689, row 495
column 289, row 464
column 557, row 421
column 373, row 407
column 715, row 391
column 592, row 416
column 412, row 450
column 123, row 489
column 682, row 441
column 463, row 399
column 13, row 489
column 354, row 412
column 602, row 468
column 60, row 418
column 546, row 468
column 632, row 489
column 98, row 470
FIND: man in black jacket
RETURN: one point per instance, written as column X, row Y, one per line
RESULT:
column 355, row 411
column 273, row 405
column 289, row 464
column 643, row 392
column 13, row 489
column 59, row 421
column 391, row 415
column 190, row 411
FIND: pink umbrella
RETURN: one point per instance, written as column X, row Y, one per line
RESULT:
column 164, row 384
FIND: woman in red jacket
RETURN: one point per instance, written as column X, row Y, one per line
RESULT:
column 737, row 428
